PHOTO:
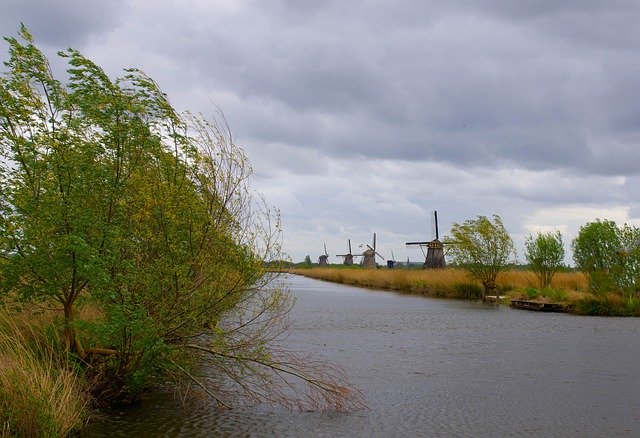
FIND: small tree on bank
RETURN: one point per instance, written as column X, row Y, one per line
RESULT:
column 482, row 247
column 545, row 254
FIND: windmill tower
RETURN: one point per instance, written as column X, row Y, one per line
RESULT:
column 322, row 260
column 348, row 258
column 369, row 255
column 434, row 256
column 391, row 263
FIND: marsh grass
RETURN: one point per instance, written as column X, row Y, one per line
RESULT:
column 39, row 394
column 607, row 305
column 447, row 283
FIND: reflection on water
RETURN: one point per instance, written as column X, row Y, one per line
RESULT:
column 435, row 367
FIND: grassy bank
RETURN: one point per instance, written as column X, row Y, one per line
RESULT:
column 570, row 288
column 40, row 395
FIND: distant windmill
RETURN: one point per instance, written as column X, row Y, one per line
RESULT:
column 369, row 255
column 348, row 258
column 391, row 263
column 322, row 260
column 434, row 256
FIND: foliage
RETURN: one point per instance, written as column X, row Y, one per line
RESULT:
column 609, row 255
column 110, row 200
column 482, row 248
column 545, row 254
column 307, row 260
column 607, row 305
column 548, row 293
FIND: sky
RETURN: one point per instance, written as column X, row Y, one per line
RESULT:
column 366, row 116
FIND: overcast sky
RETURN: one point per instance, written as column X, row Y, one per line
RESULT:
column 364, row 116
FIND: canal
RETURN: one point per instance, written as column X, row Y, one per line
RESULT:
column 430, row 367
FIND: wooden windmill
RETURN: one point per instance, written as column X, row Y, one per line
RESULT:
column 322, row 260
column 348, row 258
column 434, row 255
column 369, row 255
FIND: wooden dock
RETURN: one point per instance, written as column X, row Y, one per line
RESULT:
column 540, row 306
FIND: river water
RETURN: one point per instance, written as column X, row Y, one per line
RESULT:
column 430, row 367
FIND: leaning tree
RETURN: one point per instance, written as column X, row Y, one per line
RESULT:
column 139, row 223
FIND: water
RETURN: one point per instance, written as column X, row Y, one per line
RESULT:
column 432, row 367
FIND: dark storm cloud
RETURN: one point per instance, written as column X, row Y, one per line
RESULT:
column 61, row 24
column 536, row 84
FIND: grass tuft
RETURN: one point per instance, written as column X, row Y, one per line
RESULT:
column 39, row 395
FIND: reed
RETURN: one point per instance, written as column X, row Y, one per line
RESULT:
column 39, row 394
column 446, row 283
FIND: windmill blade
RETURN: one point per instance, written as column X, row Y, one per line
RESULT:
column 374, row 242
column 392, row 256
column 416, row 243
column 349, row 246
column 376, row 253
column 325, row 250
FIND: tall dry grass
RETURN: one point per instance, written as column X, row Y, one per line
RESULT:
column 449, row 283
column 39, row 394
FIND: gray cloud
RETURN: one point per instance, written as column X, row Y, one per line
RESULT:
column 364, row 116
column 64, row 23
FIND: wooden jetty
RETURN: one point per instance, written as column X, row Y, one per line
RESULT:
column 540, row 306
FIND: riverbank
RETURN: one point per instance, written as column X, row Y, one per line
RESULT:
column 568, row 291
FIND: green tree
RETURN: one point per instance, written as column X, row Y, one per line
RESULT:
column 307, row 260
column 609, row 255
column 482, row 247
column 545, row 254
column 114, row 204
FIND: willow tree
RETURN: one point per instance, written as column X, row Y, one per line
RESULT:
column 113, row 202
column 609, row 255
column 545, row 254
column 482, row 247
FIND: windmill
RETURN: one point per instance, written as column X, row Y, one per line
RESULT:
column 369, row 255
column 348, row 258
column 391, row 263
column 322, row 260
column 434, row 256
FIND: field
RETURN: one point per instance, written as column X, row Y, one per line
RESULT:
column 570, row 288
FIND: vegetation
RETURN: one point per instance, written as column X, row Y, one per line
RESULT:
column 39, row 395
column 138, row 225
column 443, row 283
column 567, row 287
column 610, row 256
column 545, row 255
column 482, row 248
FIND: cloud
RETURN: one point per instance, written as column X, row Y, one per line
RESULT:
column 362, row 117
column 62, row 24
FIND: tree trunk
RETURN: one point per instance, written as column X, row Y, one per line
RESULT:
column 71, row 341
column 489, row 290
